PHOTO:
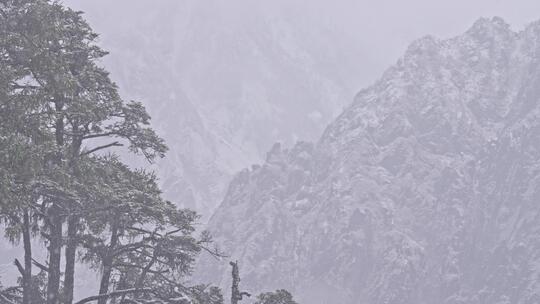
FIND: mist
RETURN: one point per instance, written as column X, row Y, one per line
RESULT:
column 296, row 151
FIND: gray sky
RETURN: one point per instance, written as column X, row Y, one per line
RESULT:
column 383, row 28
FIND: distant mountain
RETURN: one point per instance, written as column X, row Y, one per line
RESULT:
column 223, row 81
column 425, row 190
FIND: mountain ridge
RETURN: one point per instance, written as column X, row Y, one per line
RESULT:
column 416, row 193
column 224, row 84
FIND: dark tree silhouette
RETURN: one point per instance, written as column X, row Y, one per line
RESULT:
column 236, row 294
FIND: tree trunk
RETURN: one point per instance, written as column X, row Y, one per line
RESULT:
column 59, row 123
column 72, row 225
column 55, row 254
column 107, row 265
column 144, row 272
column 55, row 238
column 71, row 250
column 235, row 290
column 236, row 295
column 27, row 277
column 105, row 279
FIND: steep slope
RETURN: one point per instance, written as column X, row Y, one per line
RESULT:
column 223, row 81
column 424, row 190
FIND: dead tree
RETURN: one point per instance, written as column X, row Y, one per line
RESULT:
column 236, row 295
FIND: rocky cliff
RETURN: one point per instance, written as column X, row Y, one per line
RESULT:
column 424, row 190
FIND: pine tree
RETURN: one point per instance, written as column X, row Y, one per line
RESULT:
column 60, row 116
column 24, row 145
column 137, row 238
column 52, row 80
column 280, row 296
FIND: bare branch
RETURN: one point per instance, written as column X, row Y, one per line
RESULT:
column 128, row 247
column 113, row 144
column 99, row 135
column 144, row 231
column 5, row 299
column 40, row 266
column 112, row 294
column 19, row 266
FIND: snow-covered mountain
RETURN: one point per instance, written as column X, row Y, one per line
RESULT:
column 223, row 81
column 425, row 190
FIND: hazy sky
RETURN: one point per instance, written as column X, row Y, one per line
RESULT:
column 383, row 28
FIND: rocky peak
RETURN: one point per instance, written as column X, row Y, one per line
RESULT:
column 490, row 27
column 424, row 190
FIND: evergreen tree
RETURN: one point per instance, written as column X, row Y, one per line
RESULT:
column 52, row 52
column 25, row 143
column 280, row 296
column 59, row 112
column 138, row 240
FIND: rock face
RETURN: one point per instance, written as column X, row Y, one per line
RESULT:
column 223, row 81
column 425, row 190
